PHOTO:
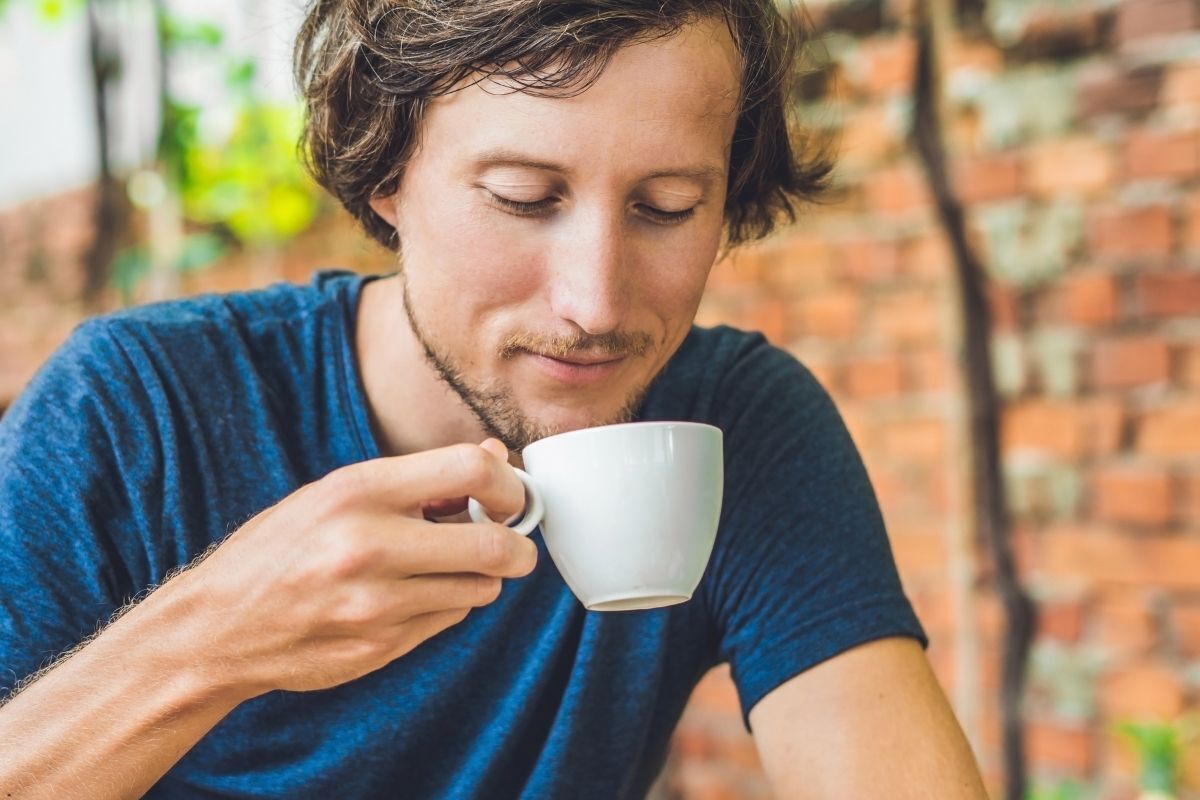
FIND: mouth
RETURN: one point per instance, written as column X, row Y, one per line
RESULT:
column 577, row 369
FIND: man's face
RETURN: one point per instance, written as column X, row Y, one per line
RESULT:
column 555, row 248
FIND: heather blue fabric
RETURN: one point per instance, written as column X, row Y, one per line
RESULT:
column 154, row 432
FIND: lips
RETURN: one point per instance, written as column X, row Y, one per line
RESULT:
column 579, row 369
column 582, row 361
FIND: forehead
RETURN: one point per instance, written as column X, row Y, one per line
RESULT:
column 672, row 99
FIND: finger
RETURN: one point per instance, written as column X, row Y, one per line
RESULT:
column 425, row 594
column 407, row 482
column 496, row 448
column 414, row 631
column 453, row 547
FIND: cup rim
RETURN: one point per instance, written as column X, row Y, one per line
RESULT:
column 661, row 423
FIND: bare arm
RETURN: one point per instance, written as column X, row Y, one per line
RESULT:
column 336, row 581
column 871, row 722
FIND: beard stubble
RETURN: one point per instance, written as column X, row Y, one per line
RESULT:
column 495, row 409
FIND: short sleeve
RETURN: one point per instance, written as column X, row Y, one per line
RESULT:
column 64, row 446
column 803, row 569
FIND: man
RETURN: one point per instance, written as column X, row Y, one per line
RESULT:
column 558, row 179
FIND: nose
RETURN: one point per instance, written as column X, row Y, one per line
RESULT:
column 589, row 274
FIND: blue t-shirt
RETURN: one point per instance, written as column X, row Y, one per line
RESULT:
column 154, row 432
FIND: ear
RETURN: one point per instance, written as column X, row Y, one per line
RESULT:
column 385, row 207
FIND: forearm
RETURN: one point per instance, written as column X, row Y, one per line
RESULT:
column 110, row 720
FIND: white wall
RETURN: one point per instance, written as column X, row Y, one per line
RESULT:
column 47, row 130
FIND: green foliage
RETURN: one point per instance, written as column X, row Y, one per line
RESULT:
column 251, row 183
column 1063, row 790
column 177, row 34
column 1159, row 747
column 55, row 11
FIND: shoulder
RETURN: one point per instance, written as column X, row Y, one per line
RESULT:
column 125, row 367
column 742, row 382
column 196, row 320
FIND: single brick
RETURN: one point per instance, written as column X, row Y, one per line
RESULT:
column 982, row 179
column 874, row 377
column 1169, row 294
column 1041, row 427
column 921, row 440
column 1172, row 430
column 1131, row 234
column 1062, row 748
column 834, row 313
column 1135, row 496
column 1162, row 154
column 1126, row 363
column 1149, row 19
column 869, row 260
column 908, row 317
column 1074, row 164
column 1143, row 690
column 897, row 191
column 1090, row 299
column 1061, row 620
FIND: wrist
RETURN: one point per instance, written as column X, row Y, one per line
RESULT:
column 175, row 631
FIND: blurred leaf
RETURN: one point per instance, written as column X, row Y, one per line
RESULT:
column 199, row 251
column 128, row 267
column 240, row 75
column 177, row 33
column 1158, row 749
column 252, row 183
column 1063, row 790
column 53, row 11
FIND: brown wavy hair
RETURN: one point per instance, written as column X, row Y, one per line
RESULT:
column 367, row 70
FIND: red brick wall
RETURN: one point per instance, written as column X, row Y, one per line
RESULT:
column 1076, row 145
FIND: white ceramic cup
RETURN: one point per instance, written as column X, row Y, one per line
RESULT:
column 628, row 512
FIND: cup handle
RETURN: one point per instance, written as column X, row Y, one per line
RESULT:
column 525, row 520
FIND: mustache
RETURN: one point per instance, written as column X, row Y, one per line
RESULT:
column 614, row 344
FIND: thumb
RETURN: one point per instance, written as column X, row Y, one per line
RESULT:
column 496, row 448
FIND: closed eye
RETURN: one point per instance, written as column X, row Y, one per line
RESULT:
column 666, row 217
column 537, row 208
column 541, row 208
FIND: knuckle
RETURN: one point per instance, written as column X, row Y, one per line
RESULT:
column 493, row 547
column 475, row 465
column 357, row 609
column 341, row 489
column 348, row 556
column 487, row 589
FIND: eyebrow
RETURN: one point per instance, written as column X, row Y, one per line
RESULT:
column 512, row 158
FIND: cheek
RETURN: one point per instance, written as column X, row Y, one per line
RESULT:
column 466, row 258
column 679, row 267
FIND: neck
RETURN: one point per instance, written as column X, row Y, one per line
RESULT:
column 410, row 407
